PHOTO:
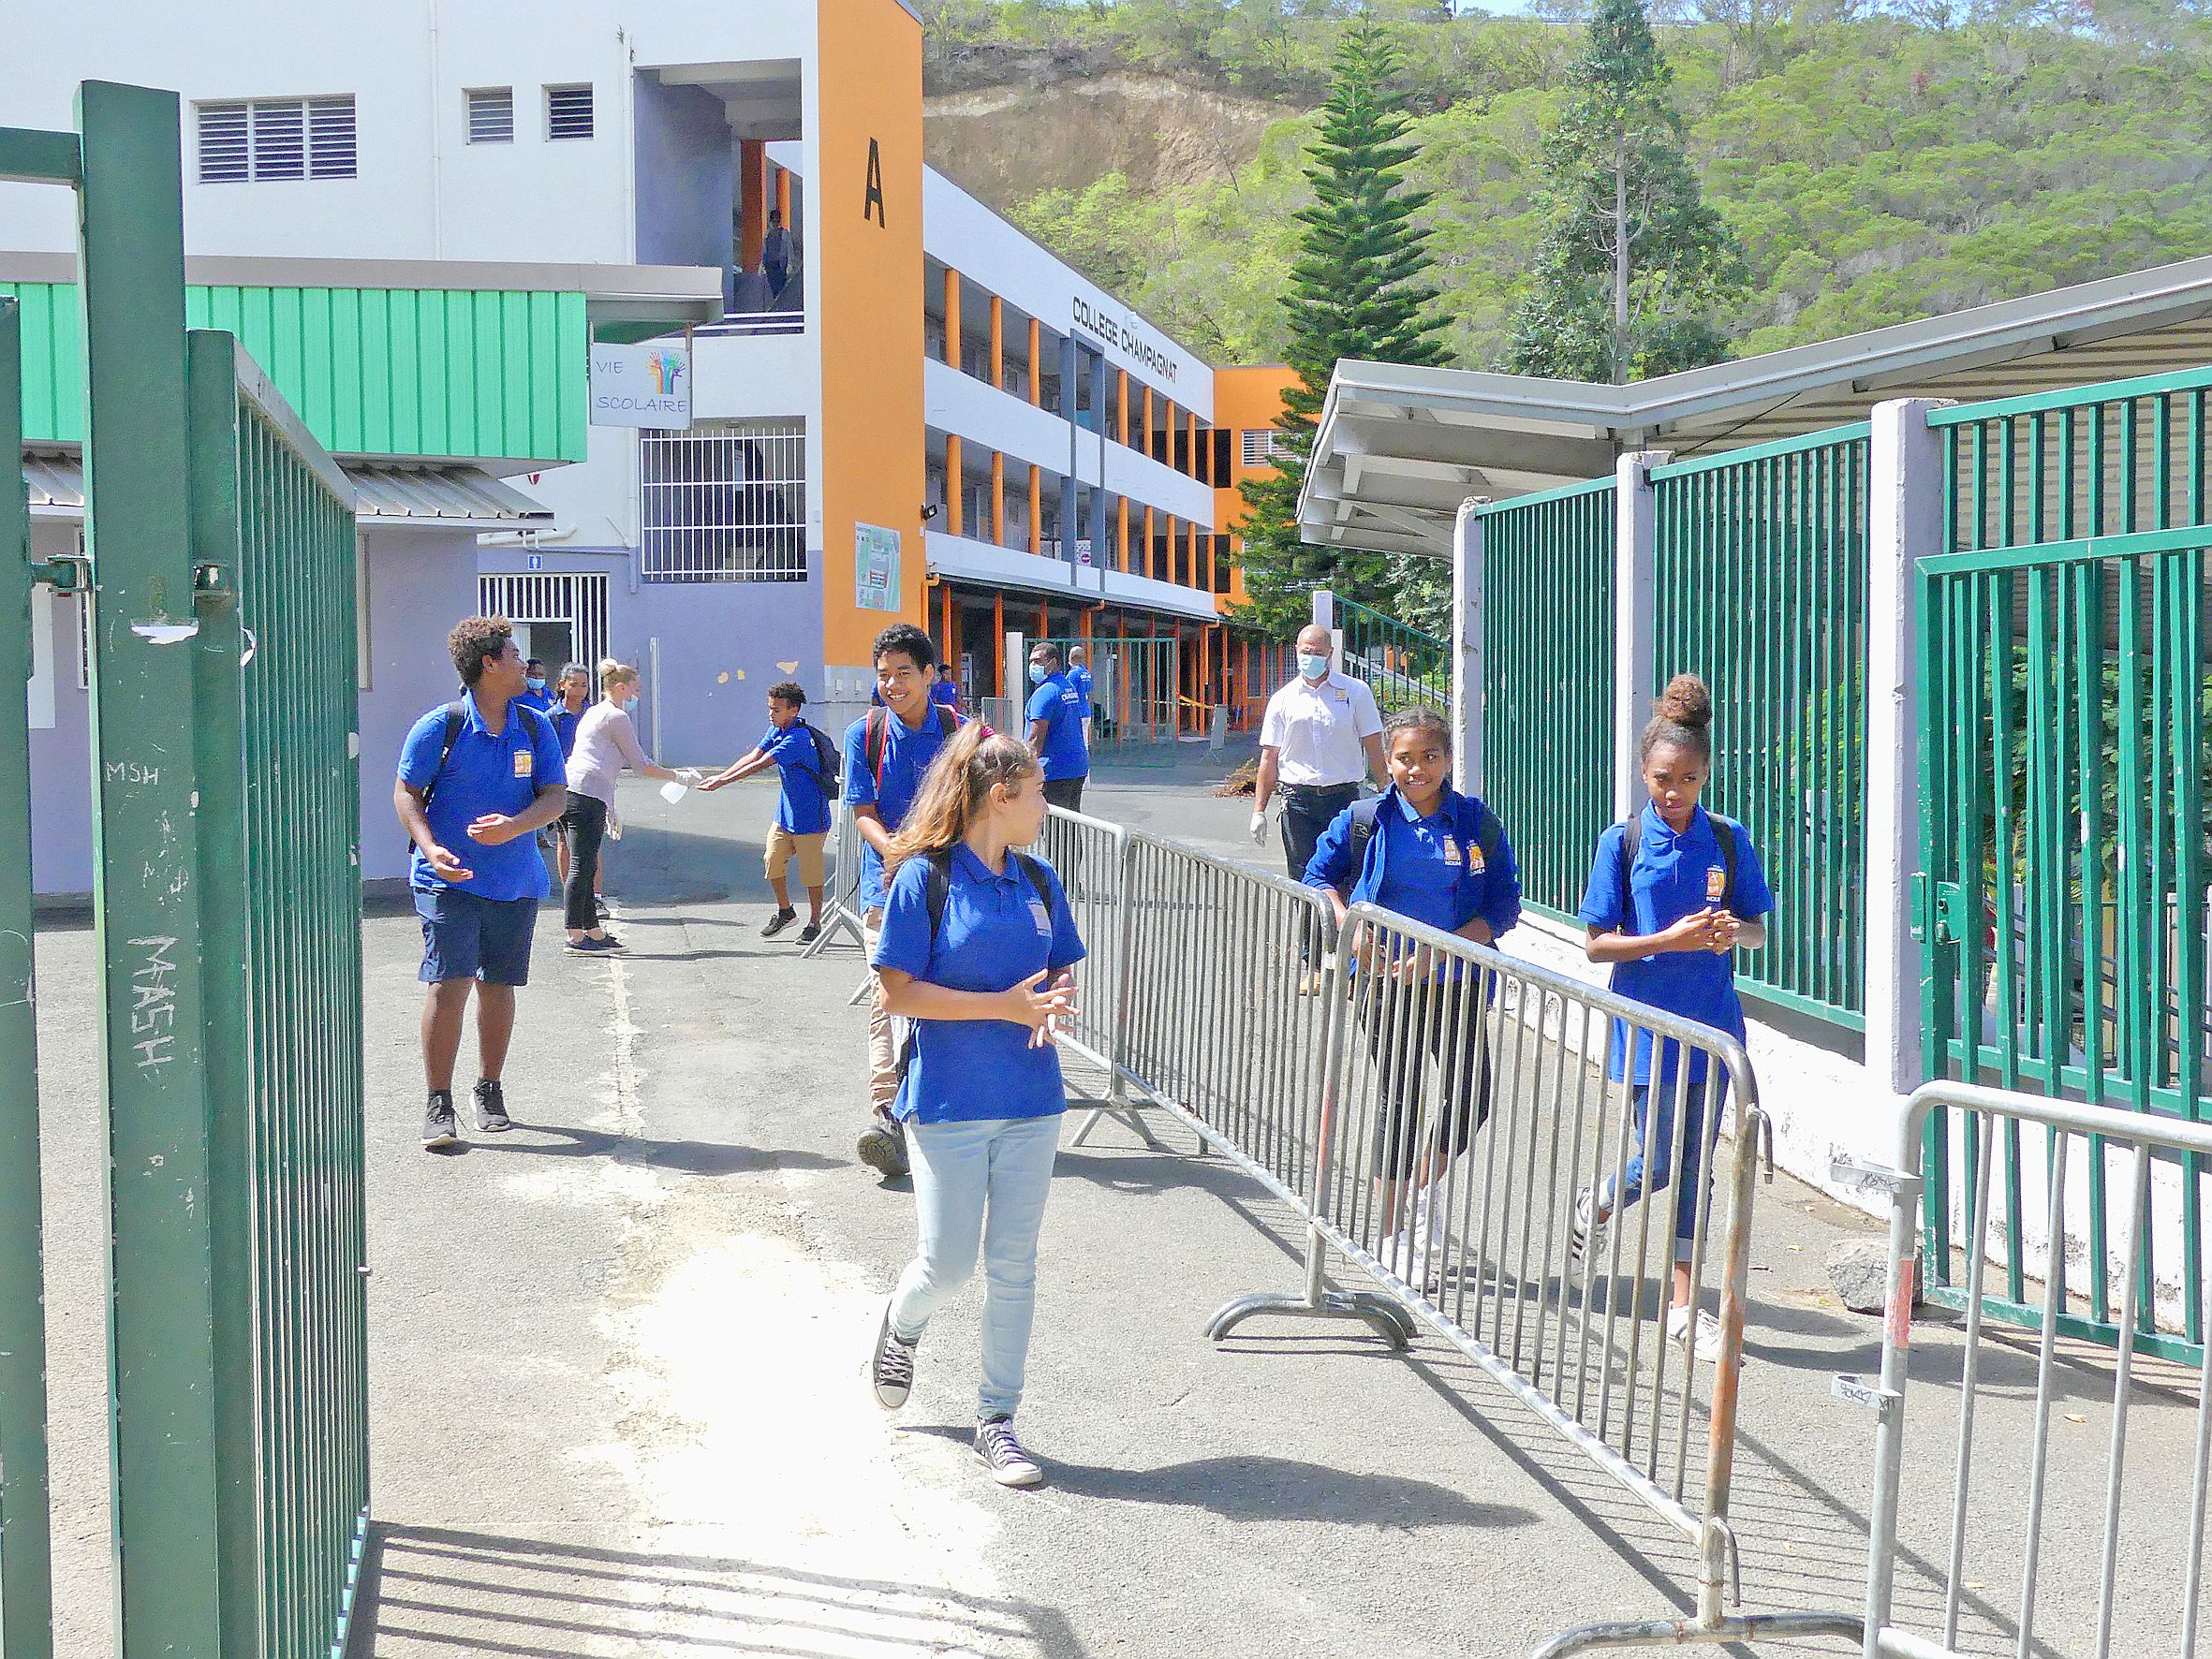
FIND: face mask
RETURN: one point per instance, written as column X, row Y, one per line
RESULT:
column 629, row 705
column 537, row 685
column 1312, row 667
column 1037, row 674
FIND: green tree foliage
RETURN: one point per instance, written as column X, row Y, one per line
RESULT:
column 1357, row 288
column 1634, row 264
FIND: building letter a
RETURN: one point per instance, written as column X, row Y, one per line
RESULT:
column 872, row 206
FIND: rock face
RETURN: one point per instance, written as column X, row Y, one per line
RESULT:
column 1005, row 143
column 1858, row 1269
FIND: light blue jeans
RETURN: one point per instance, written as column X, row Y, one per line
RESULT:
column 979, row 1185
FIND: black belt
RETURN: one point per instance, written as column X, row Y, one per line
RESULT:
column 1299, row 791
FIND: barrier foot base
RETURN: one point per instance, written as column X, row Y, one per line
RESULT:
column 1676, row 1633
column 836, row 920
column 1385, row 1316
column 1129, row 1116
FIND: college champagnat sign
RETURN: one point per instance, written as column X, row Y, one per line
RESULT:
column 647, row 386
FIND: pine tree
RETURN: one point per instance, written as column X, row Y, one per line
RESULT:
column 1358, row 289
column 1633, row 263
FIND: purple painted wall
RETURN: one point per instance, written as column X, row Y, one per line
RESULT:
column 61, row 758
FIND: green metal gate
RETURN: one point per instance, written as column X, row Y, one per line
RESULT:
column 227, row 908
column 2066, row 697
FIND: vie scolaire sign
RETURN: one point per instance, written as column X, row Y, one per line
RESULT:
column 642, row 385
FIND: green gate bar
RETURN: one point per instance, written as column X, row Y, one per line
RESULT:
column 1401, row 664
column 1762, row 588
column 2065, row 635
column 26, row 1585
column 1548, row 664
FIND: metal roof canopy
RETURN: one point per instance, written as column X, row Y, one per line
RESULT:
column 1398, row 449
column 427, row 497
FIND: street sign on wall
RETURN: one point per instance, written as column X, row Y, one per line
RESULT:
column 642, row 385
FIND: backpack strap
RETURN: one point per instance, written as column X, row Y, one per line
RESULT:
column 456, row 717
column 876, row 743
column 938, row 891
column 1363, row 831
column 1631, row 837
column 1724, row 832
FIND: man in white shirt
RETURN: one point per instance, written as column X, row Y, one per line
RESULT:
column 1322, row 734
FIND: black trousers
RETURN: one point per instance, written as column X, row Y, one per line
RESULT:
column 1065, row 793
column 1307, row 810
column 585, row 826
column 1446, row 1022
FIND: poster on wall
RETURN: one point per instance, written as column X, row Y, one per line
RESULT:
column 876, row 567
column 642, row 385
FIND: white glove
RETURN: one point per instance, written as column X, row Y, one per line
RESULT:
column 1260, row 828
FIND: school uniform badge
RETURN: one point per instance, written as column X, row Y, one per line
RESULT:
column 1715, row 883
column 524, row 763
column 1039, row 915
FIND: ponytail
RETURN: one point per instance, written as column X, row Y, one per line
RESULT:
column 1681, row 715
column 955, row 790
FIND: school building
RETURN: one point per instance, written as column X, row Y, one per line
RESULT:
column 441, row 233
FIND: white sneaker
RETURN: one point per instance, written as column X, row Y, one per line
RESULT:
column 1586, row 1232
column 1706, row 1347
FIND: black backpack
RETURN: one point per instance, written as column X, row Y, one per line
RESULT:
column 1631, row 837
column 828, row 761
column 1487, row 831
column 937, row 893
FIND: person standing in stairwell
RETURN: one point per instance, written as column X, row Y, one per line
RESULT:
column 1674, row 894
column 478, row 779
column 776, row 256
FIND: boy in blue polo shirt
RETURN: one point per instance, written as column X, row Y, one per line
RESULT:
column 802, row 814
column 1056, row 712
column 1669, row 916
column 478, row 779
column 1439, row 857
column 885, row 753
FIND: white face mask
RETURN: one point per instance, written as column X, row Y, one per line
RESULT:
column 629, row 705
column 1313, row 667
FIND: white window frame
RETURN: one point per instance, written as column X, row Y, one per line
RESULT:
column 553, row 91
column 1256, row 445
column 498, row 101
column 277, row 140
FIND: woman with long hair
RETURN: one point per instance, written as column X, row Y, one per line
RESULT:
column 1674, row 893
column 605, row 742
column 974, row 954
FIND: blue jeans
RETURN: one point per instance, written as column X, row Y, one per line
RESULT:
column 979, row 1185
column 1649, row 1170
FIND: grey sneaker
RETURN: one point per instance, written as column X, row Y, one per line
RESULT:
column 439, row 1127
column 491, row 1107
column 1588, row 1227
column 882, row 1145
column 891, row 1364
column 1002, row 1454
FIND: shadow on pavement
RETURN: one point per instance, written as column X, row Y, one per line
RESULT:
column 433, row 1589
column 692, row 1157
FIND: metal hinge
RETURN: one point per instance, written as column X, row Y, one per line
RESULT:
column 1916, row 905
column 1952, row 922
column 70, row 574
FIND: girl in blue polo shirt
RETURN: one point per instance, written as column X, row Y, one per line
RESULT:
column 974, row 953
column 1691, row 894
column 1438, row 857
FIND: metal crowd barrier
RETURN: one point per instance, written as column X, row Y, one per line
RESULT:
column 2025, row 1439
column 1305, row 1065
column 842, row 913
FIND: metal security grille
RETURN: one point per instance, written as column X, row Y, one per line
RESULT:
column 569, row 112
column 491, row 115
column 725, row 501
column 273, row 138
column 1546, row 704
column 579, row 602
column 1257, row 445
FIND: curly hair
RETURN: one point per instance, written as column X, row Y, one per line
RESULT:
column 1681, row 715
column 789, row 690
column 477, row 640
column 908, row 640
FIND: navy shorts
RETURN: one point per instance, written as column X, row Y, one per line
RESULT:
column 468, row 937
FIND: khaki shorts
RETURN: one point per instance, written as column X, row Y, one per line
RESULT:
column 783, row 846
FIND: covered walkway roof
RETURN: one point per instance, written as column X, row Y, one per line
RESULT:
column 1398, row 449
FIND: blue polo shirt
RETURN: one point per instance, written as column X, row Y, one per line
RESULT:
column 1430, row 869
column 485, row 773
column 907, row 754
column 564, row 724
column 542, row 701
column 803, row 809
column 945, row 692
column 1081, row 680
column 996, row 933
column 1057, row 704
column 1674, row 876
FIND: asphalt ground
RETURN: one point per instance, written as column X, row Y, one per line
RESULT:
column 616, row 1364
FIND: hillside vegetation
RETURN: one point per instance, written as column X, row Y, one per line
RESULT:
column 1878, row 165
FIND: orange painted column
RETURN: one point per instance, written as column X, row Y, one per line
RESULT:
column 1167, row 435
column 955, row 484
column 1083, row 625
column 1143, row 443
column 1190, row 446
column 1121, row 381
column 1036, row 381
column 1121, row 534
column 997, row 343
column 1146, row 562
column 998, row 498
column 783, row 195
column 752, row 203
column 953, row 343
column 1036, row 502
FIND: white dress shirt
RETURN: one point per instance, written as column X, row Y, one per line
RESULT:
column 1318, row 730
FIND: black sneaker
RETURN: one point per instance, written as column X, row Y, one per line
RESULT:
column 810, row 932
column 491, row 1107
column 883, row 1147
column 439, row 1127
column 1002, row 1454
column 588, row 945
column 778, row 922
column 891, row 1364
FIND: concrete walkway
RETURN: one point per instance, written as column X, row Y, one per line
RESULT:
column 618, row 1407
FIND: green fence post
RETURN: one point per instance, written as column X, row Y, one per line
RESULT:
column 161, row 1315
column 26, row 1584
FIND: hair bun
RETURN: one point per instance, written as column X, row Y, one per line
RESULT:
column 1686, row 702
